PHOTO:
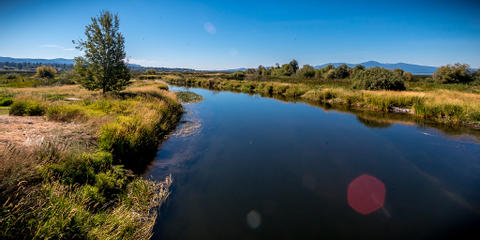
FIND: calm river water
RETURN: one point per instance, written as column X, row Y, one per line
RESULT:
column 248, row 167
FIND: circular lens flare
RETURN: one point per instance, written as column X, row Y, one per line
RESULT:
column 366, row 194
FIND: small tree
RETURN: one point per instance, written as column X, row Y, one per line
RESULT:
column 306, row 71
column 408, row 76
column 294, row 65
column 342, row 71
column 458, row 73
column 46, row 72
column 287, row 70
column 330, row 74
column 261, row 70
column 476, row 76
column 357, row 70
column 328, row 67
column 103, row 65
column 398, row 72
column 379, row 78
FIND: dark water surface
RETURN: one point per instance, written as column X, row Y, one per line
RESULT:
column 247, row 167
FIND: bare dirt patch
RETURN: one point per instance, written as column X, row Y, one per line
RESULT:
column 32, row 131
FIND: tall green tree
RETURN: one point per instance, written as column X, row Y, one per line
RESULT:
column 102, row 66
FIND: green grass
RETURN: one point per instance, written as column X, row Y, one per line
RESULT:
column 185, row 96
column 4, row 110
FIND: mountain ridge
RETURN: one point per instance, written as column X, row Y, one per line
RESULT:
column 407, row 67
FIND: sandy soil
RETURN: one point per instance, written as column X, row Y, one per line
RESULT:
column 30, row 131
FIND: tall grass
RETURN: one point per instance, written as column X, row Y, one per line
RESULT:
column 57, row 191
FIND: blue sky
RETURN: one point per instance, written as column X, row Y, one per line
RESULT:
column 230, row 34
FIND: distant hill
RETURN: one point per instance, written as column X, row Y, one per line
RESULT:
column 68, row 64
column 225, row 70
column 30, row 64
column 37, row 60
column 413, row 68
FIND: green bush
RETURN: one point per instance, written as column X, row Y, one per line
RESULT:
column 330, row 74
column 66, row 77
column 65, row 113
column 377, row 79
column 6, row 101
column 150, row 72
column 306, row 71
column 239, row 75
column 458, row 73
column 27, row 108
column 46, row 72
column 408, row 76
column 342, row 71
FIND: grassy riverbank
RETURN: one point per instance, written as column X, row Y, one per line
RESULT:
column 452, row 107
column 86, row 187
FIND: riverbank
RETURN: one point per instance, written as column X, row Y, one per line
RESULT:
column 450, row 107
column 71, row 173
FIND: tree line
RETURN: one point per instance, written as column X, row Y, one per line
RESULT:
column 362, row 77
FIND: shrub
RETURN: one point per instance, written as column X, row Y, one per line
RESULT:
column 66, row 77
column 408, row 76
column 11, row 76
column 399, row 72
column 46, row 72
column 306, row 71
column 6, row 101
column 238, row 75
column 342, row 71
column 65, row 113
column 150, row 72
column 330, row 74
column 27, row 108
column 378, row 78
column 356, row 70
column 458, row 73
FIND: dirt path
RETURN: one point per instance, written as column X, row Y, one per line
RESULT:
column 30, row 131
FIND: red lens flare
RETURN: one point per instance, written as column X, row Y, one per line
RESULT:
column 366, row 194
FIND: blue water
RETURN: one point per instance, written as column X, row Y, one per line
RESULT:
column 247, row 167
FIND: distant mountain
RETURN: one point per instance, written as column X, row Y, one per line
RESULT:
column 70, row 62
column 37, row 60
column 413, row 68
column 225, row 70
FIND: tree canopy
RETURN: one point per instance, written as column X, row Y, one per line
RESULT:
column 102, row 66
column 458, row 73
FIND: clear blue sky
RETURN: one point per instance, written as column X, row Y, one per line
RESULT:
column 229, row 34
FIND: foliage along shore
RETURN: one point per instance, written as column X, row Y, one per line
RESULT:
column 79, row 190
column 439, row 105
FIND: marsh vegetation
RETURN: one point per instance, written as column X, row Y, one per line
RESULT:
column 358, row 88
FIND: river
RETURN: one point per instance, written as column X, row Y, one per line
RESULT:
column 249, row 167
